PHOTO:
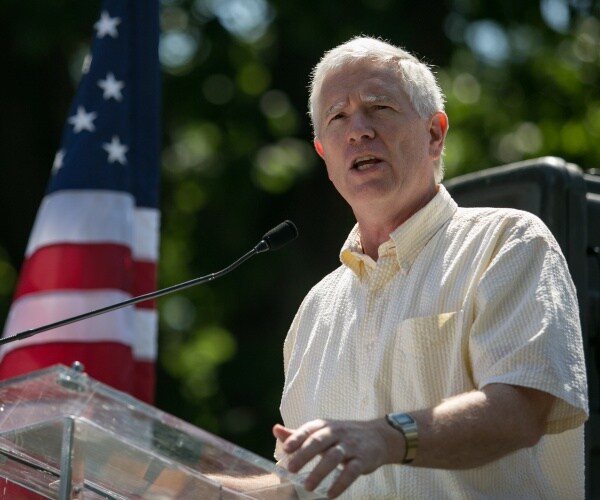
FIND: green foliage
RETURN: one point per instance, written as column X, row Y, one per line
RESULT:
column 521, row 79
column 539, row 98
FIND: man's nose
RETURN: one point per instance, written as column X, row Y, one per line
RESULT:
column 360, row 128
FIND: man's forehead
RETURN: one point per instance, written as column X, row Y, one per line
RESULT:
column 361, row 74
column 370, row 86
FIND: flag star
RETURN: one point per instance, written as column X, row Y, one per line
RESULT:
column 82, row 120
column 111, row 87
column 107, row 25
column 116, row 151
column 58, row 161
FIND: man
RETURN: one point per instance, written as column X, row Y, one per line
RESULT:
column 443, row 358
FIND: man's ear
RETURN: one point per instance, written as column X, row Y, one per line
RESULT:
column 319, row 148
column 438, row 128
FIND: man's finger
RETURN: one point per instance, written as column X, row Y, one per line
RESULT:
column 281, row 432
column 315, row 444
column 352, row 469
column 331, row 458
column 301, row 434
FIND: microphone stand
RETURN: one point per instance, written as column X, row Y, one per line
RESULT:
column 272, row 240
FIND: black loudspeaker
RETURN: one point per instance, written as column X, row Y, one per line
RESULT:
column 568, row 201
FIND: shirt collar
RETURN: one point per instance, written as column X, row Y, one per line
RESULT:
column 406, row 241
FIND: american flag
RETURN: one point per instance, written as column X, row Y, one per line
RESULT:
column 96, row 235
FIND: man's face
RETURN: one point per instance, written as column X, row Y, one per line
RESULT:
column 377, row 149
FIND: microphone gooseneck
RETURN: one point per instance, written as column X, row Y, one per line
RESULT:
column 274, row 239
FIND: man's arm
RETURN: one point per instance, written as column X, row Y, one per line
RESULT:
column 462, row 432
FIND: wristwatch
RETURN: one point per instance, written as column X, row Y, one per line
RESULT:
column 404, row 423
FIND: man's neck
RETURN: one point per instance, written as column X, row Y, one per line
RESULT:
column 375, row 225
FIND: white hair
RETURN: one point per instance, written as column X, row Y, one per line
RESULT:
column 416, row 77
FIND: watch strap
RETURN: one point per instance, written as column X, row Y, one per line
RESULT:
column 404, row 423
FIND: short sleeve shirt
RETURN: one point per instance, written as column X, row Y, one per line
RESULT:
column 458, row 298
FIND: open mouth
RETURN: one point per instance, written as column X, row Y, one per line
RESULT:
column 364, row 162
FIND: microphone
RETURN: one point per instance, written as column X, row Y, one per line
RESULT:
column 276, row 238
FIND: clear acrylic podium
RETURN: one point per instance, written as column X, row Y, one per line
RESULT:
column 64, row 435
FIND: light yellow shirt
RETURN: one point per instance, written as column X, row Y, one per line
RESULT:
column 459, row 298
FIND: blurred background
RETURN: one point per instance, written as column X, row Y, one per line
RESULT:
column 522, row 80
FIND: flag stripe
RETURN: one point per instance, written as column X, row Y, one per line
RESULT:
column 145, row 341
column 146, row 233
column 93, row 355
column 81, row 266
column 87, row 266
column 34, row 310
column 133, row 327
column 145, row 278
column 144, row 380
column 95, row 216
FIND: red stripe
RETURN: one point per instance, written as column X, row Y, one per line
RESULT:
column 145, row 282
column 110, row 362
column 87, row 267
column 9, row 490
column 144, row 381
column 80, row 266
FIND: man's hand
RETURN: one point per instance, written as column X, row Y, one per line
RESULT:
column 461, row 432
column 355, row 447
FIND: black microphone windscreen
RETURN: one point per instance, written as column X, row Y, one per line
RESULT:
column 281, row 235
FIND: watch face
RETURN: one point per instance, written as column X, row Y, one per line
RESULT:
column 402, row 418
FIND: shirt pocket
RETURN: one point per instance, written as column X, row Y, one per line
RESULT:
column 430, row 360
column 419, row 336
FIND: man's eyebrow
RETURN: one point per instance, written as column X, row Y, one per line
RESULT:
column 377, row 98
column 334, row 108
column 370, row 98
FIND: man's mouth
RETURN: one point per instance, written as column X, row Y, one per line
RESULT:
column 364, row 162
